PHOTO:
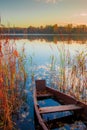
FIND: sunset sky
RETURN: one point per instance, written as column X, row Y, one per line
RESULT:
column 24, row 13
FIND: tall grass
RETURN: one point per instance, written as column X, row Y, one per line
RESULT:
column 79, row 76
column 12, row 83
column 73, row 76
column 62, row 75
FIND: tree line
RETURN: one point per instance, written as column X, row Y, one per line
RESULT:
column 48, row 29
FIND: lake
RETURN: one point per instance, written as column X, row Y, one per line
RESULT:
column 51, row 58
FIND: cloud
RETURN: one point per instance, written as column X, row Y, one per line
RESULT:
column 83, row 14
column 49, row 1
column 53, row 1
column 79, row 15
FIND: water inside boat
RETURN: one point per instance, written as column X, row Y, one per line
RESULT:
column 60, row 120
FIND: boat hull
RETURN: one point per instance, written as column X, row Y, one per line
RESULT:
column 41, row 91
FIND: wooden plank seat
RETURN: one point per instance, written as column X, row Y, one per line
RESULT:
column 44, row 95
column 61, row 108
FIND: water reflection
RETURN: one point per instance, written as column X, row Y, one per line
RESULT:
column 79, row 38
column 54, row 62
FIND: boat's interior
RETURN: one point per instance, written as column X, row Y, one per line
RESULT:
column 56, row 113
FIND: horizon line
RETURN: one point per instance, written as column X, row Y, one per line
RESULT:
column 63, row 25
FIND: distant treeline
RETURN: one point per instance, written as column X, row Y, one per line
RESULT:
column 48, row 29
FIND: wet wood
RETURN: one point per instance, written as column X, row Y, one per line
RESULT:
column 40, row 120
column 44, row 95
column 68, row 103
column 62, row 108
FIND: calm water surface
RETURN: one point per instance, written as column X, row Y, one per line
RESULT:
column 39, row 62
column 43, row 60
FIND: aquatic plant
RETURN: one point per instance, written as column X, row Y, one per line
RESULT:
column 73, row 73
column 12, row 83
column 62, row 75
column 79, row 75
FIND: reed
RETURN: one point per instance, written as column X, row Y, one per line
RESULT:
column 62, row 74
column 79, row 76
column 73, row 73
column 12, row 83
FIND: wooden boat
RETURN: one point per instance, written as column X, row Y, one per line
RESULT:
column 68, row 103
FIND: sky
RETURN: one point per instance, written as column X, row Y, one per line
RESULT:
column 25, row 13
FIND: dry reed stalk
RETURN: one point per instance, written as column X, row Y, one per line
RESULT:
column 11, row 92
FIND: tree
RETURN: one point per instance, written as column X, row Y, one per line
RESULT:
column 55, row 28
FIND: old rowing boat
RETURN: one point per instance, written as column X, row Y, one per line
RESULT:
column 76, row 109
